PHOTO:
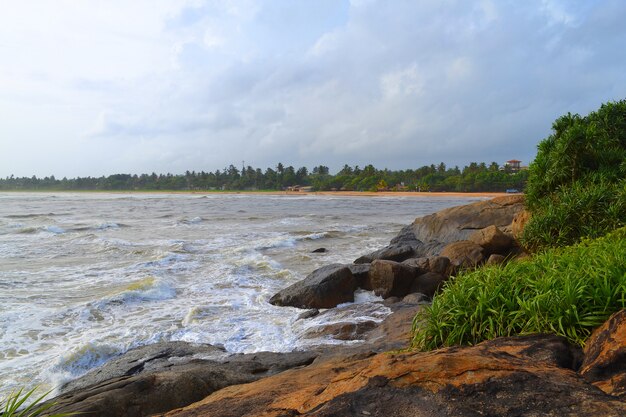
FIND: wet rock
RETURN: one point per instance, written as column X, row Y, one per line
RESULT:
column 342, row 330
column 151, row 358
column 464, row 254
column 308, row 314
column 416, row 298
column 394, row 252
column 391, row 300
column 361, row 275
column 520, row 376
column 323, row 288
column 390, row 278
column 428, row 283
column 605, row 356
column 150, row 391
column 319, row 250
column 493, row 240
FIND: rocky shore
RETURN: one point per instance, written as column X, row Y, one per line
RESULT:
column 538, row 375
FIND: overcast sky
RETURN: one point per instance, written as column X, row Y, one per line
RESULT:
column 90, row 88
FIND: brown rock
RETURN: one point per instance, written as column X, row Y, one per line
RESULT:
column 495, row 259
column 440, row 265
column 464, row 254
column 421, row 264
column 522, row 376
column 458, row 223
column 492, row 240
column 323, row 288
column 428, row 283
column 361, row 275
column 519, row 222
column 605, row 356
column 342, row 331
column 390, row 278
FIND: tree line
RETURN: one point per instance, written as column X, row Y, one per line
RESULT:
column 475, row 177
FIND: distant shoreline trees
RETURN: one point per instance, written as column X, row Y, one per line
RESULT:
column 476, row 177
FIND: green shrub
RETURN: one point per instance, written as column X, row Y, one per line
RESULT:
column 16, row 405
column 566, row 291
column 576, row 183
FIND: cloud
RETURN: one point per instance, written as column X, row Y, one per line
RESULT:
column 169, row 86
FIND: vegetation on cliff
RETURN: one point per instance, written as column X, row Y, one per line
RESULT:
column 566, row 291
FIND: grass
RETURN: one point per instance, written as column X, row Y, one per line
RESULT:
column 15, row 405
column 566, row 291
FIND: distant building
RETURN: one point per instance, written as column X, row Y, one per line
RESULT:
column 514, row 165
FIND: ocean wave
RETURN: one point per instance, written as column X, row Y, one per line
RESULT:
column 83, row 358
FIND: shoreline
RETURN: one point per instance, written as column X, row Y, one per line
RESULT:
column 450, row 194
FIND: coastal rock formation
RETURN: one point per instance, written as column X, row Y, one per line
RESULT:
column 427, row 283
column 394, row 252
column 323, row 288
column 390, row 278
column 493, row 240
column 464, row 254
column 523, row 376
column 164, row 381
column 605, row 356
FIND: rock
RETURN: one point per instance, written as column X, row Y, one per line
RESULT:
column 495, row 259
column 319, row 250
column 151, row 358
column 464, row 254
column 436, row 230
column 519, row 222
column 395, row 252
column 342, row 330
column 428, row 283
column 605, row 356
column 308, row 314
column 177, row 384
column 323, row 288
column 492, row 240
column 440, row 265
column 390, row 278
column 391, row 300
column 517, row 376
column 421, row 264
column 416, row 298
column 361, row 275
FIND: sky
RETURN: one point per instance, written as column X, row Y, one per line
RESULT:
column 91, row 88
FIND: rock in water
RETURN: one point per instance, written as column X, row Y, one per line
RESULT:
column 323, row 288
column 391, row 279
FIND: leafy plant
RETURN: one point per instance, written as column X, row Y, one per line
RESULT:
column 15, row 405
column 565, row 291
column 576, row 183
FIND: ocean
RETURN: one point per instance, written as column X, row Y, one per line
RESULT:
column 86, row 276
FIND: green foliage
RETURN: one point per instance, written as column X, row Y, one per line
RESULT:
column 576, row 183
column 475, row 177
column 15, row 405
column 567, row 291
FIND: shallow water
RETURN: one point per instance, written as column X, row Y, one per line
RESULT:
column 85, row 277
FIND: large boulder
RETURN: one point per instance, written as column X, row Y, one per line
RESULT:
column 394, row 252
column 605, row 356
column 156, row 378
column 464, row 254
column 428, row 283
column 391, row 279
column 458, row 223
column 323, row 288
column 493, row 240
column 518, row 376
